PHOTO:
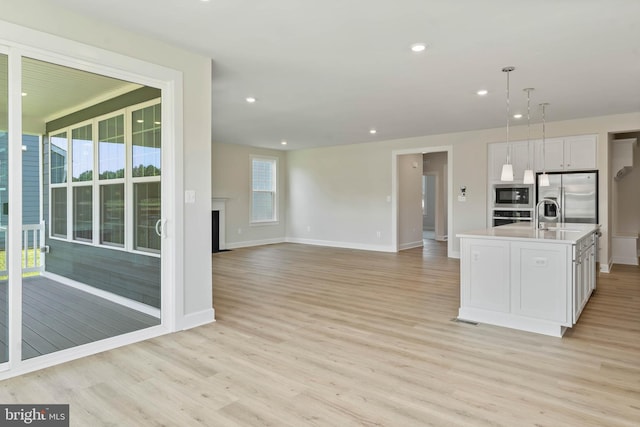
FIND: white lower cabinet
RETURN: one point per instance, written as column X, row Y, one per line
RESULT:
column 486, row 274
column 526, row 284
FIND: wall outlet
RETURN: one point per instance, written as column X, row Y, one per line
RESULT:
column 378, row 234
column 308, row 228
column 239, row 230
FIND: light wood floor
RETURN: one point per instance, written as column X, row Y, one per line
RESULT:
column 334, row 337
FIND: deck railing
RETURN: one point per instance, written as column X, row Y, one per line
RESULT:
column 32, row 245
column 32, row 248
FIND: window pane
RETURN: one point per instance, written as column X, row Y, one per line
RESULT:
column 146, row 137
column 263, row 175
column 83, row 213
column 59, row 212
column 111, row 147
column 147, row 214
column 263, row 206
column 112, row 214
column 82, row 145
column 59, row 158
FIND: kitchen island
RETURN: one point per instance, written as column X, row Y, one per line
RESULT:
column 520, row 277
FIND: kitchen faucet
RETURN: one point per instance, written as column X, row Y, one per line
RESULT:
column 536, row 214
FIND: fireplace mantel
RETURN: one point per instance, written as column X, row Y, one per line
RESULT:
column 219, row 204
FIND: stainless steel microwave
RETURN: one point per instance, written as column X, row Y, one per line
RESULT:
column 518, row 196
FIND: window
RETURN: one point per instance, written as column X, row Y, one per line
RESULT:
column 263, row 190
column 110, row 193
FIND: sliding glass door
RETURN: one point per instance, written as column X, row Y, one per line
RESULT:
column 4, row 185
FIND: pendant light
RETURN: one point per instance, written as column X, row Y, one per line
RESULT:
column 544, row 178
column 507, row 168
column 528, row 173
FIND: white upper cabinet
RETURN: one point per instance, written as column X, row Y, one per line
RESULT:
column 519, row 158
column 569, row 153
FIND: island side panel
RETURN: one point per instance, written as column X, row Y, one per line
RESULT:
column 541, row 281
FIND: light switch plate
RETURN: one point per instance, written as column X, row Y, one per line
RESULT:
column 189, row 196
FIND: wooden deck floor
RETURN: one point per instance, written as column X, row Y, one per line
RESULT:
column 56, row 317
column 313, row 336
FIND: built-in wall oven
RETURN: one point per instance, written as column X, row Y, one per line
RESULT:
column 503, row 217
column 517, row 196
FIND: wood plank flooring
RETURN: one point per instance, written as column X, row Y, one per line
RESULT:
column 57, row 317
column 313, row 336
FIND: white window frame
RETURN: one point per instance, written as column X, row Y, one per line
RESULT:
column 274, row 161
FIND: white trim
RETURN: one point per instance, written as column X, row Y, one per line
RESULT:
column 625, row 260
column 395, row 188
column 84, row 350
column 454, row 254
column 109, row 296
column 199, row 318
column 14, row 230
column 411, row 245
column 606, row 267
column 250, row 243
column 345, row 245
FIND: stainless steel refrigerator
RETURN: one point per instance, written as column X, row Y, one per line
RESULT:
column 575, row 192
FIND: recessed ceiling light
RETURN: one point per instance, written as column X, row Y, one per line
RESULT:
column 418, row 47
column 156, row 123
column 139, row 121
column 24, row 93
column 283, row 142
column 482, row 92
column 517, row 116
column 251, row 99
column 373, row 131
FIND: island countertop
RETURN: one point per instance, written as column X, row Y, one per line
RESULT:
column 556, row 233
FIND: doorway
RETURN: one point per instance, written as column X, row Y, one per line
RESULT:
column 437, row 166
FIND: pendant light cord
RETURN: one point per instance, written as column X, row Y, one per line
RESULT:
column 528, row 127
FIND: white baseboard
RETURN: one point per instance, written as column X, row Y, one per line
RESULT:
column 625, row 260
column 345, row 245
column 606, row 267
column 455, row 254
column 442, row 238
column 198, row 318
column 410, row 245
column 249, row 243
column 135, row 305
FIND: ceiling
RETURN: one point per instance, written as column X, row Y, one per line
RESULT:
column 51, row 91
column 326, row 72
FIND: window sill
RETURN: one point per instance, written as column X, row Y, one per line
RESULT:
column 261, row 223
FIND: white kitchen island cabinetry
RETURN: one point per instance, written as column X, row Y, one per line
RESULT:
column 527, row 279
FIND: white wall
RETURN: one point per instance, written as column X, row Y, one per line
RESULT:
column 230, row 179
column 341, row 192
column 409, row 201
column 196, row 132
